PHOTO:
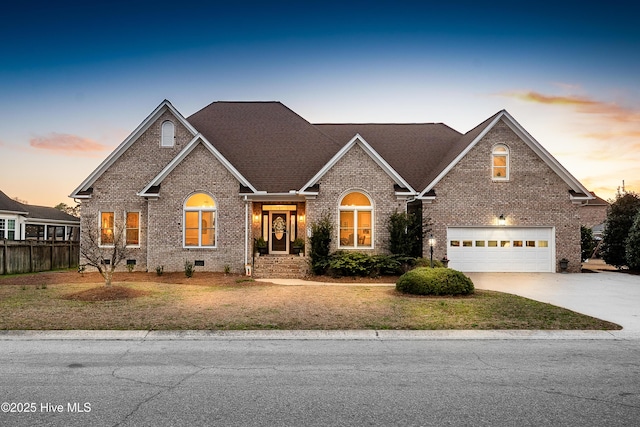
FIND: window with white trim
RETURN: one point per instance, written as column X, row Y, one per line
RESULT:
column 107, row 228
column 356, row 221
column 500, row 163
column 7, row 229
column 200, row 221
column 168, row 134
column 133, row 228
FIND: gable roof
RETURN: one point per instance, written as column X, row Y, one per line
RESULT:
column 7, row 204
column 274, row 148
column 152, row 189
column 577, row 191
column 84, row 190
column 33, row 212
column 358, row 140
column 412, row 150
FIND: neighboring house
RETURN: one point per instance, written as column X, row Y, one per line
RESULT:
column 594, row 213
column 202, row 188
column 20, row 221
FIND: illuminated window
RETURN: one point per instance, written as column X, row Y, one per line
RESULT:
column 492, row 243
column 543, row 244
column 200, row 221
column 168, row 134
column 505, row 244
column 500, row 163
column 479, row 243
column 133, row 228
column 531, row 243
column 106, row 228
column 455, row 243
column 356, row 221
column 517, row 243
column 466, row 243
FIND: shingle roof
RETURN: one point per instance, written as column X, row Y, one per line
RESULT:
column 413, row 150
column 271, row 146
column 32, row 211
column 10, row 205
column 44, row 212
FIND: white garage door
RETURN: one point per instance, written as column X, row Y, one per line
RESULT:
column 504, row 249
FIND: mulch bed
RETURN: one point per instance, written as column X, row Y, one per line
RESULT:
column 106, row 293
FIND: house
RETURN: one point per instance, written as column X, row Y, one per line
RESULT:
column 19, row 221
column 202, row 188
column 594, row 212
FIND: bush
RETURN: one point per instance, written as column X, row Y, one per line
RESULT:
column 587, row 244
column 434, row 281
column 350, row 264
column 633, row 244
column 319, row 241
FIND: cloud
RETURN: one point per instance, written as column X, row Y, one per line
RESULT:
column 635, row 134
column 582, row 104
column 66, row 144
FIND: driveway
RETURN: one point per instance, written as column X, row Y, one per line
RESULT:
column 609, row 296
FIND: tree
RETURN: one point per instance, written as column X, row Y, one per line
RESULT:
column 406, row 232
column 73, row 211
column 587, row 244
column 633, row 244
column 320, row 241
column 103, row 250
column 619, row 221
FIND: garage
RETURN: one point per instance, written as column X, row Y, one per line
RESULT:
column 501, row 249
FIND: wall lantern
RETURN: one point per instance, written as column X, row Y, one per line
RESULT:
column 301, row 218
column 502, row 220
column 256, row 218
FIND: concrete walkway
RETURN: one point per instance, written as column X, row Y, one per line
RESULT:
column 609, row 296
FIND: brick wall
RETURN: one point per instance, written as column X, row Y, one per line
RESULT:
column 533, row 196
column 356, row 171
column 200, row 171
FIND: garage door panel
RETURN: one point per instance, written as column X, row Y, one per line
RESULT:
column 495, row 249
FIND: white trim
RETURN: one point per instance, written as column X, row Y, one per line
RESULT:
column 355, row 210
column 199, row 138
column 357, row 139
column 139, row 212
column 142, row 127
column 100, row 244
column 199, row 210
column 573, row 183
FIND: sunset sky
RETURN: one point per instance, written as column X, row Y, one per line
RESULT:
column 77, row 77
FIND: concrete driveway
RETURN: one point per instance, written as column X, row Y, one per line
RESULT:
column 609, row 296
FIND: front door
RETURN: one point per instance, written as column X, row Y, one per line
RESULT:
column 278, row 232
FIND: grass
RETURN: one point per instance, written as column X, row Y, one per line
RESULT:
column 145, row 301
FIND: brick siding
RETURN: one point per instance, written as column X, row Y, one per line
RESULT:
column 533, row 196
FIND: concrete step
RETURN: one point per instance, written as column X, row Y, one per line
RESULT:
column 280, row 266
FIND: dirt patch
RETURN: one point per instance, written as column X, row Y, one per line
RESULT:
column 104, row 293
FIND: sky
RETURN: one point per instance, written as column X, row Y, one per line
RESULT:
column 76, row 78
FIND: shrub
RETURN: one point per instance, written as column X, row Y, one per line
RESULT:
column 188, row 268
column 619, row 221
column 426, row 262
column 633, row 244
column 587, row 244
column 434, row 281
column 319, row 241
column 350, row 264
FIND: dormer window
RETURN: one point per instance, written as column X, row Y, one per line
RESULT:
column 168, row 134
column 500, row 163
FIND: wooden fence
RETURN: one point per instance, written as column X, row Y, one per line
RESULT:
column 30, row 256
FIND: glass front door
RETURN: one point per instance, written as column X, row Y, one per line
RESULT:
column 278, row 232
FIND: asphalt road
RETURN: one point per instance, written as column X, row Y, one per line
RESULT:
column 266, row 382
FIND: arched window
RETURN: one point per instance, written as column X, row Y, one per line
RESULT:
column 356, row 221
column 200, row 221
column 500, row 163
column 168, row 134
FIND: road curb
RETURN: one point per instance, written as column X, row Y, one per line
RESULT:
column 385, row 335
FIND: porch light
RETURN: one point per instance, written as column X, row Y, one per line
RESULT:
column 502, row 220
column 301, row 218
column 432, row 243
column 256, row 218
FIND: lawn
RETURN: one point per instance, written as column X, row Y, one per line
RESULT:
column 215, row 301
